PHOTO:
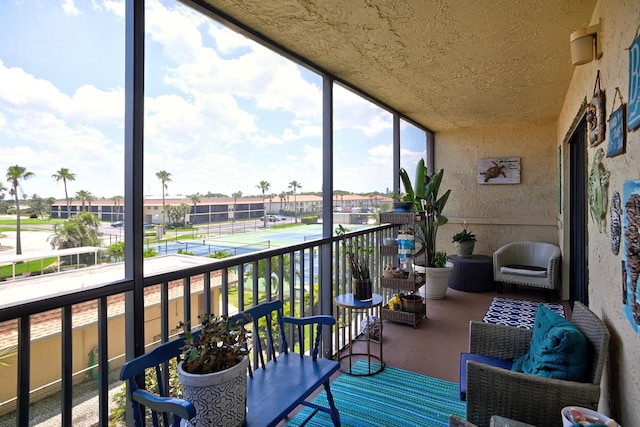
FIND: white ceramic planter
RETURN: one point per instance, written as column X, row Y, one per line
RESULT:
column 436, row 281
column 220, row 398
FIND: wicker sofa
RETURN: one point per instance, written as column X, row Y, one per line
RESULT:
column 529, row 398
column 534, row 264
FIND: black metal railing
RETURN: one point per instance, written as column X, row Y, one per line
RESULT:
column 296, row 274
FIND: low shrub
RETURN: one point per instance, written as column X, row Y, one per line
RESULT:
column 309, row 219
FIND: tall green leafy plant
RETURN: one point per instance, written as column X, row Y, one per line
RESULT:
column 423, row 193
column 358, row 257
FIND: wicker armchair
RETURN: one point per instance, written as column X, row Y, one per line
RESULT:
column 529, row 398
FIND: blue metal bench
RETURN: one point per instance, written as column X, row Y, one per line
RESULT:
column 280, row 381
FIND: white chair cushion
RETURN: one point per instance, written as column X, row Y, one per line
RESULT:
column 524, row 270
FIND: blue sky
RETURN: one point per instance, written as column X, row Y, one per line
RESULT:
column 222, row 112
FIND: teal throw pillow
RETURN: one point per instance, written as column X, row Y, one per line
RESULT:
column 558, row 349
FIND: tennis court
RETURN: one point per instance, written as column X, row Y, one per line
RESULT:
column 241, row 244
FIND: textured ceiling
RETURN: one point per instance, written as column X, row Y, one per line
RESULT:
column 445, row 64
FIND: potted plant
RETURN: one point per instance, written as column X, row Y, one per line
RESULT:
column 213, row 371
column 423, row 194
column 359, row 262
column 401, row 202
column 464, row 242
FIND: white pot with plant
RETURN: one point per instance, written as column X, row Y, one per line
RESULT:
column 213, row 372
column 423, row 194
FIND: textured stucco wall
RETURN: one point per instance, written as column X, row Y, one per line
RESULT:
column 621, row 383
column 500, row 213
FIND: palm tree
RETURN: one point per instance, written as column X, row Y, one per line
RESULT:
column 90, row 199
column 271, row 196
column 2, row 190
column 195, row 199
column 65, row 175
column 81, row 230
column 38, row 205
column 264, row 187
column 164, row 177
column 14, row 175
column 50, row 201
column 282, row 197
column 116, row 204
column 83, row 196
column 294, row 185
column 235, row 200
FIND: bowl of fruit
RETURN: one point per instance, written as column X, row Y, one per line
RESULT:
column 579, row 416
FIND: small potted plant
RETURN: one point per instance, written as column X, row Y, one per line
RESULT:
column 359, row 262
column 401, row 202
column 464, row 242
column 216, row 359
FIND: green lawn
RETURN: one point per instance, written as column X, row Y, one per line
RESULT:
column 26, row 224
column 29, row 221
column 26, row 267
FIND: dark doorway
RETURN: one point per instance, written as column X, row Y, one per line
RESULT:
column 578, row 246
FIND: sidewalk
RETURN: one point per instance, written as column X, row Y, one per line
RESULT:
column 31, row 241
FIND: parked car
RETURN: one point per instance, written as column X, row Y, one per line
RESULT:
column 148, row 226
column 270, row 218
column 118, row 224
column 281, row 218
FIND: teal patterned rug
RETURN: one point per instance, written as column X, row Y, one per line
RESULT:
column 393, row 397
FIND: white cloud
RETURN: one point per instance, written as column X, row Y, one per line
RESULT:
column 176, row 30
column 70, row 8
column 354, row 112
column 116, row 7
column 227, row 41
column 20, row 89
column 262, row 140
column 220, row 111
column 92, row 105
column 48, row 130
column 27, row 95
column 303, row 129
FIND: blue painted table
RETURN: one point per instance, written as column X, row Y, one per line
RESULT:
column 351, row 305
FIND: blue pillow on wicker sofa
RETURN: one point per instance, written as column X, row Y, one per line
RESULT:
column 558, row 349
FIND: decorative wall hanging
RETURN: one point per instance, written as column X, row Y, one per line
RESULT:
column 616, row 229
column 633, row 120
column 598, row 183
column 617, row 129
column 631, row 245
column 595, row 115
column 499, row 171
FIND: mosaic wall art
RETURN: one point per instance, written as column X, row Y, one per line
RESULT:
column 631, row 247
